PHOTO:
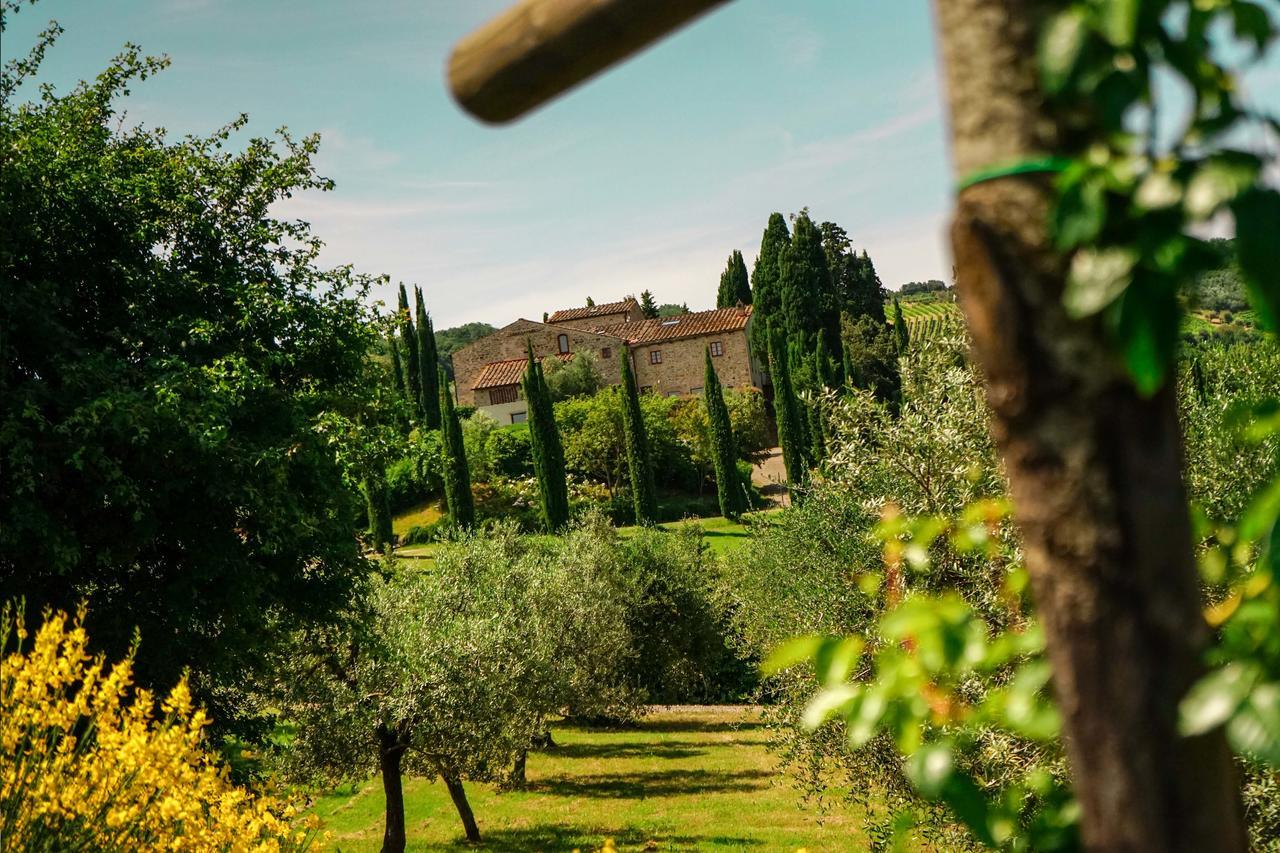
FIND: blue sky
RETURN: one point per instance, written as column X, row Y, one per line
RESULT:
column 646, row 178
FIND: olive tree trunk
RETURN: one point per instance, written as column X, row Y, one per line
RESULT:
column 453, row 782
column 1094, row 470
column 391, row 750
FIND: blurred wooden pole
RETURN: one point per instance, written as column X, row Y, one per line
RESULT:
column 541, row 48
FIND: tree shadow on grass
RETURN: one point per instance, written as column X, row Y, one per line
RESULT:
column 685, row 724
column 560, row 837
column 626, row 749
column 660, row 783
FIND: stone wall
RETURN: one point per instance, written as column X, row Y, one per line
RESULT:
column 510, row 342
column 683, row 364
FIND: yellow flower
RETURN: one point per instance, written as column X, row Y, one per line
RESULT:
column 86, row 761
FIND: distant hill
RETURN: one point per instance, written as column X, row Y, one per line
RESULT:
column 912, row 288
column 449, row 341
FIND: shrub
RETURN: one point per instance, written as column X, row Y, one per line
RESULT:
column 86, row 763
column 417, row 476
column 425, row 534
column 510, row 451
column 680, row 650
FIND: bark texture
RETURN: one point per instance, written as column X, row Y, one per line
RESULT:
column 391, row 750
column 459, row 796
column 1094, row 469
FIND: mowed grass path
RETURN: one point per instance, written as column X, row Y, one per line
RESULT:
column 695, row 778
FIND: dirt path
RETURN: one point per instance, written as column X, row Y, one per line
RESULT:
column 771, row 476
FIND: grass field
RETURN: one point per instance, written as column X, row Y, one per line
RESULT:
column 721, row 535
column 684, row 779
column 419, row 515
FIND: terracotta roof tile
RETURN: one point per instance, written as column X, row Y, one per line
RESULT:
column 496, row 374
column 692, row 325
column 589, row 311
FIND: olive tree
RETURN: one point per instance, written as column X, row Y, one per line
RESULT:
column 453, row 673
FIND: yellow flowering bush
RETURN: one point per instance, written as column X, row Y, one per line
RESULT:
column 87, row 763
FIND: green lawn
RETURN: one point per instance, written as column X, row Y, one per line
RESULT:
column 721, row 535
column 419, row 515
column 684, row 779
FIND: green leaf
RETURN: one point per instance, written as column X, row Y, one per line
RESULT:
column 1257, row 224
column 1157, row 191
column 1061, row 43
column 1252, row 22
column 829, row 703
column 932, row 771
column 835, row 659
column 792, row 652
column 1214, row 698
column 1098, row 277
column 1027, row 710
column 865, row 715
column 1255, row 728
column 1118, row 21
column 1147, row 332
column 1080, row 214
column 1219, row 180
column 1262, row 512
column 930, row 768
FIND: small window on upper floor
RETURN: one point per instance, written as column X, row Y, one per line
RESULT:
column 562, row 342
column 655, row 356
column 717, row 348
column 606, row 352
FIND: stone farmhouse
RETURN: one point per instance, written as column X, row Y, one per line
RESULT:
column 666, row 353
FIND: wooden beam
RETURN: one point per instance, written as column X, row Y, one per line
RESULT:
column 539, row 49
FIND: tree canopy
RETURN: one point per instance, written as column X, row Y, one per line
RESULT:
column 183, row 385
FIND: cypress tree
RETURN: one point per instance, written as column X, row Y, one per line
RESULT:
column 396, row 367
column 800, row 377
column 822, row 369
column 815, row 440
column 724, row 451
column 457, row 479
column 644, row 495
column 648, row 307
column 430, row 367
column 409, row 340
column 900, row 328
column 786, row 409
column 742, row 282
column 378, row 508
column 766, row 298
column 804, row 285
column 548, row 452
column 735, row 287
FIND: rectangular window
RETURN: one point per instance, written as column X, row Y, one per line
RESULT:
column 505, row 394
column 562, row 341
column 519, row 417
column 697, row 390
column 606, row 352
column 655, row 356
column 717, row 348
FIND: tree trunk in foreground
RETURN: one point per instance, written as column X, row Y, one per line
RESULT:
column 1094, row 470
column 459, row 796
column 390, row 752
